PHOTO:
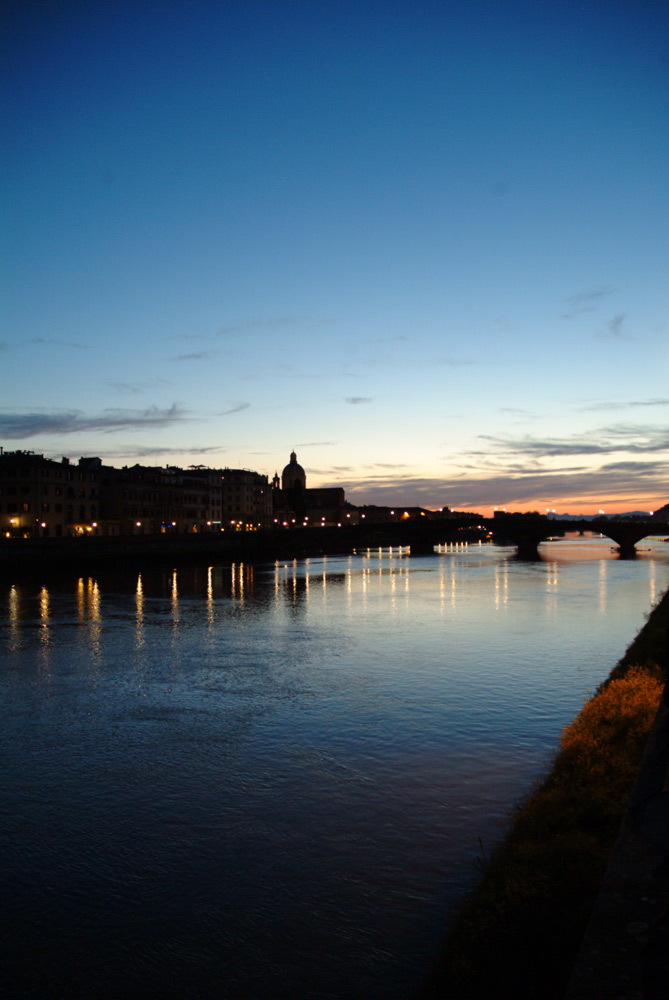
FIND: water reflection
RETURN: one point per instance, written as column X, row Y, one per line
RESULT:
column 501, row 584
column 653, row 591
column 552, row 575
column 81, row 600
column 210, row 597
column 264, row 788
column 603, row 573
column 89, row 612
column 175, row 602
column 139, row 613
column 44, row 611
column 14, row 631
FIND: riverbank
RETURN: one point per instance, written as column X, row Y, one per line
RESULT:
column 524, row 923
column 99, row 551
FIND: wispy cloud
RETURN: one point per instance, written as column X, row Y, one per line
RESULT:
column 617, row 484
column 235, row 408
column 573, row 313
column 592, row 294
column 42, row 341
column 607, row 405
column 59, row 343
column 137, row 388
column 194, row 356
column 357, row 400
column 632, row 439
column 585, row 302
column 614, row 327
column 315, row 444
column 138, row 452
column 16, row 426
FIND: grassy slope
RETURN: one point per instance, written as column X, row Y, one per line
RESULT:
column 520, row 929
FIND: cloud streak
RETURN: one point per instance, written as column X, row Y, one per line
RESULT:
column 608, row 440
column 17, row 426
column 619, row 483
column 137, row 388
column 138, row 452
column 235, row 408
column 624, row 406
column 615, row 328
column 42, row 341
column 194, row 356
column 585, row 302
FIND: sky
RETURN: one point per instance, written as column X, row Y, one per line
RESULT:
column 423, row 244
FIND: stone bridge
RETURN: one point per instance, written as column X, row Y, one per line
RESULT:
column 527, row 532
column 524, row 531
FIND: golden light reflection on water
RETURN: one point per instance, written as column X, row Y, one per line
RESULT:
column 175, row 602
column 94, row 614
column 237, row 582
column 14, row 630
column 87, row 598
column 442, row 589
column 45, row 633
column 81, row 600
column 139, row 613
column 45, row 614
column 94, row 599
column 603, row 579
column 210, row 597
column 289, row 583
column 652, row 582
column 551, row 588
column 364, row 584
column 501, row 584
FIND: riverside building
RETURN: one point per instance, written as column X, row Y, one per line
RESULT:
column 42, row 497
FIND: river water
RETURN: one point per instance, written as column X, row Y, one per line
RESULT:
column 276, row 781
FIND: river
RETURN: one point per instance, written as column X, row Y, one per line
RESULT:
column 277, row 780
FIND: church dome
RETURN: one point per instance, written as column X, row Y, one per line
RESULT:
column 293, row 475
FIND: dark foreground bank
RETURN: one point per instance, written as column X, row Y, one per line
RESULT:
column 523, row 925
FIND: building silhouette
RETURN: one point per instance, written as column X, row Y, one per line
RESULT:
column 40, row 497
column 296, row 504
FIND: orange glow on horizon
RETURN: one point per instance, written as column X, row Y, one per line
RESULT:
column 568, row 505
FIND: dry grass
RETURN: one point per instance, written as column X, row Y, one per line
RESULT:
column 522, row 925
column 623, row 710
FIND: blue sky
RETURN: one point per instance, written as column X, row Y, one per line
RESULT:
column 423, row 244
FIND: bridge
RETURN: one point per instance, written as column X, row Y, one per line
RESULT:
column 526, row 531
column 421, row 536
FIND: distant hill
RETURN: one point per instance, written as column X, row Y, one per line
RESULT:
column 659, row 515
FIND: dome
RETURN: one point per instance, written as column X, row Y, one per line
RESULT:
column 293, row 475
